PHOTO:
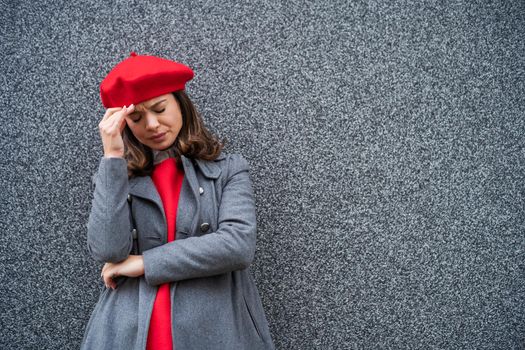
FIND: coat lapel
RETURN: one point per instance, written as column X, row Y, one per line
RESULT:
column 144, row 187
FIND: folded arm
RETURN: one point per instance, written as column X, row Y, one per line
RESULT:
column 231, row 247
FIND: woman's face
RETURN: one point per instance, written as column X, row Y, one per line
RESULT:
column 159, row 116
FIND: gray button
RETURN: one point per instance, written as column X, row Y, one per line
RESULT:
column 201, row 190
column 129, row 198
column 205, row 226
column 134, row 233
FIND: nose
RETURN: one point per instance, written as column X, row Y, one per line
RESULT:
column 151, row 122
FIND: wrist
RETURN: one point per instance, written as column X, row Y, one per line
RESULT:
column 113, row 155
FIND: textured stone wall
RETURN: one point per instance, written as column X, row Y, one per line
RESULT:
column 386, row 149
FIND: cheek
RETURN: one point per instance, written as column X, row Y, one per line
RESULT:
column 137, row 132
column 178, row 122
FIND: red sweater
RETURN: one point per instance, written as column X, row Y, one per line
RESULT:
column 167, row 177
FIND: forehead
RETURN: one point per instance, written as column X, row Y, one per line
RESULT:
column 151, row 102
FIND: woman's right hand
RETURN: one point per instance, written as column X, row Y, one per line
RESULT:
column 111, row 127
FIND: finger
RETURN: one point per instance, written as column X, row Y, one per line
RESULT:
column 104, row 268
column 119, row 114
column 107, row 277
column 108, row 121
column 112, row 281
column 109, row 283
column 115, row 116
column 123, row 124
column 130, row 109
column 110, row 111
column 116, row 121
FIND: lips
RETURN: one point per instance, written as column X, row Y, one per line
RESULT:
column 158, row 136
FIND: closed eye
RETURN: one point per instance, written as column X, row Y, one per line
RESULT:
column 137, row 120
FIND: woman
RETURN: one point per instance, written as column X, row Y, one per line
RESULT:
column 172, row 219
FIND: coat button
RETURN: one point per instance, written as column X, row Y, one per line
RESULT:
column 129, row 198
column 205, row 226
column 134, row 233
column 201, row 190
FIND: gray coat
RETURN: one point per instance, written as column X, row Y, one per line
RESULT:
column 215, row 302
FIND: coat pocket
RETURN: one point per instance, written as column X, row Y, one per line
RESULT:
column 254, row 322
column 152, row 236
column 179, row 234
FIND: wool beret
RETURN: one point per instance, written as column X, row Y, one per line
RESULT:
column 141, row 77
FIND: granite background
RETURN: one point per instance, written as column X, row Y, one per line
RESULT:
column 386, row 147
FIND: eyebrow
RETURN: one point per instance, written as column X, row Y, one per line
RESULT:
column 150, row 107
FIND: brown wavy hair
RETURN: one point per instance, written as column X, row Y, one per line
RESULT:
column 193, row 141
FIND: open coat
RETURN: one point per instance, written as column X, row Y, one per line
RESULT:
column 215, row 302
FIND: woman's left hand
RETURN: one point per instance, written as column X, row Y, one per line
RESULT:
column 133, row 266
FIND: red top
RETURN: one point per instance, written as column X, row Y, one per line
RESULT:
column 167, row 177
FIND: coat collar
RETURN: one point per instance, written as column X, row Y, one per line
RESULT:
column 210, row 169
column 143, row 186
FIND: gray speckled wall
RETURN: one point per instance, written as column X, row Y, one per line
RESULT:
column 386, row 145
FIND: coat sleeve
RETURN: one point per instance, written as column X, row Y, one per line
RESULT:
column 231, row 247
column 109, row 236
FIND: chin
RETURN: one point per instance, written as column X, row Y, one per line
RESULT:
column 164, row 145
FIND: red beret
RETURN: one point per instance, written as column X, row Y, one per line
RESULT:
column 140, row 77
